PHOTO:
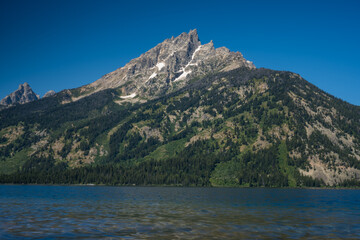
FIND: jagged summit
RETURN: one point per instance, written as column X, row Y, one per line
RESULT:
column 23, row 94
column 167, row 66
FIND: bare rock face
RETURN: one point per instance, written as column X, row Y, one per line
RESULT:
column 23, row 94
column 168, row 66
column 49, row 93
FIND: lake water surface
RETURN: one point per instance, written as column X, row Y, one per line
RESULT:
column 68, row 212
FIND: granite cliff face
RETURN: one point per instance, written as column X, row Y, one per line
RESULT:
column 23, row 94
column 168, row 66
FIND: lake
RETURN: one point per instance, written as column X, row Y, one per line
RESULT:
column 43, row 212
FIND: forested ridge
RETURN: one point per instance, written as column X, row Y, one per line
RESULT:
column 249, row 128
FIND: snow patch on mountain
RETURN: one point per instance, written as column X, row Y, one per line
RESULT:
column 160, row 65
column 129, row 96
column 185, row 73
column 152, row 75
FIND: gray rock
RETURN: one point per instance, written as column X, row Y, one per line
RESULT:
column 168, row 66
column 49, row 93
column 23, row 94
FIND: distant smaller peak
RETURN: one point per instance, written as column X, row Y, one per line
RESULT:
column 49, row 93
column 23, row 94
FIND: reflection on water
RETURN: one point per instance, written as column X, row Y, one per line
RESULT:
column 168, row 213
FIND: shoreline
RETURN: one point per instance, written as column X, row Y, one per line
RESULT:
column 178, row 186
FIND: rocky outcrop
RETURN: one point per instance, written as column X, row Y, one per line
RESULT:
column 49, row 93
column 168, row 66
column 23, row 94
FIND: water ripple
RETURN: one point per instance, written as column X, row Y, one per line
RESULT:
column 44, row 212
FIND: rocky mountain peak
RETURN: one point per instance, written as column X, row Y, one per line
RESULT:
column 49, row 93
column 168, row 66
column 191, row 37
column 23, row 94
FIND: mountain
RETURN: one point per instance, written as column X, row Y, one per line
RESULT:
column 23, row 94
column 167, row 67
column 185, row 114
column 49, row 93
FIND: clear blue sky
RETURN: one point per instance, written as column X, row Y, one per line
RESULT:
column 60, row 44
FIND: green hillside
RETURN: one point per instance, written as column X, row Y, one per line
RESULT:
column 245, row 127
